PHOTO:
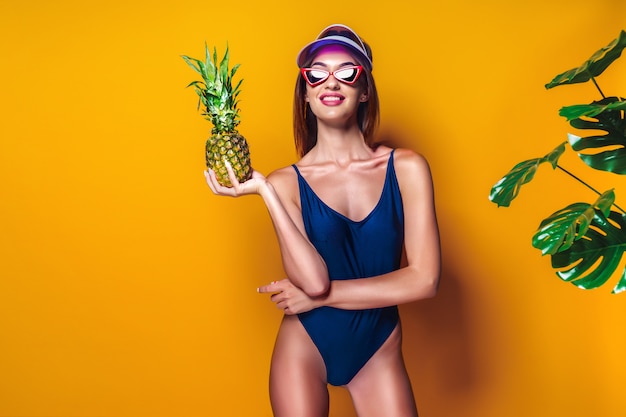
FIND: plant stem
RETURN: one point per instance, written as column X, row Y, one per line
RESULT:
column 598, row 87
column 587, row 185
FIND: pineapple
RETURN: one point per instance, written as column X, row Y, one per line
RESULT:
column 219, row 101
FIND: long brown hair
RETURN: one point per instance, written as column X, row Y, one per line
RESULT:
column 305, row 122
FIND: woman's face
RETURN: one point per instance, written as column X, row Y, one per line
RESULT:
column 333, row 100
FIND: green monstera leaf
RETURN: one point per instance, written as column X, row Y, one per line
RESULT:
column 613, row 157
column 559, row 231
column 505, row 190
column 594, row 66
column 585, row 241
column 590, row 110
column 591, row 261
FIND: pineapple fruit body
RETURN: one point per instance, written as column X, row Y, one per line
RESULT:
column 233, row 148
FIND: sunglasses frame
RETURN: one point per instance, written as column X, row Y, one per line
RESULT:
column 359, row 71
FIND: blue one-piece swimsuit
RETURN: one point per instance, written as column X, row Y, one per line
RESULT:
column 347, row 339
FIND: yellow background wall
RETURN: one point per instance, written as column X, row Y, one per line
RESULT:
column 128, row 289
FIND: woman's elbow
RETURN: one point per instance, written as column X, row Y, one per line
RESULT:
column 424, row 283
column 317, row 289
column 317, row 283
column 425, row 287
column 431, row 287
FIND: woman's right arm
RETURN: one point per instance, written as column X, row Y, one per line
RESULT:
column 303, row 265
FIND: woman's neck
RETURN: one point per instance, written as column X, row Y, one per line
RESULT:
column 341, row 145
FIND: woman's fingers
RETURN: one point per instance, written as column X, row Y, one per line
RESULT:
column 231, row 174
column 219, row 189
column 272, row 287
column 278, row 295
column 287, row 297
column 210, row 175
column 250, row 186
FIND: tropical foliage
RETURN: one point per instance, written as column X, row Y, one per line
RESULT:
column 586, row 241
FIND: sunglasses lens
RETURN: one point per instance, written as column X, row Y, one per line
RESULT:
column 347, row 75
column 315, row 76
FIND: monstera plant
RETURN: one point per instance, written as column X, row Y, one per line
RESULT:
column 586, row 241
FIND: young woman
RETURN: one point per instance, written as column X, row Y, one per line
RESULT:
column 343, row 215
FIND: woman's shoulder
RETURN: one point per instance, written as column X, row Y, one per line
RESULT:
column 408, row 156
column 410, row 164
column 404, row 155
column 285, row 181
column 287, row 173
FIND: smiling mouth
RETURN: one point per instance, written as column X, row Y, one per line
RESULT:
column 331, row 99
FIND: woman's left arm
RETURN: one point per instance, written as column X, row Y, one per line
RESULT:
column 417, row 280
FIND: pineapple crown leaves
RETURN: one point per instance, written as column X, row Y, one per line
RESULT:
column 216, row 92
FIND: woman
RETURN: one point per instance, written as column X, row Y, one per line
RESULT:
column 342, row 215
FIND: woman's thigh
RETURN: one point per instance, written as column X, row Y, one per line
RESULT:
column 297, row 376
column 382, row 386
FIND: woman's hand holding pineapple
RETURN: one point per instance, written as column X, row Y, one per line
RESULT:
column 251, row 186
